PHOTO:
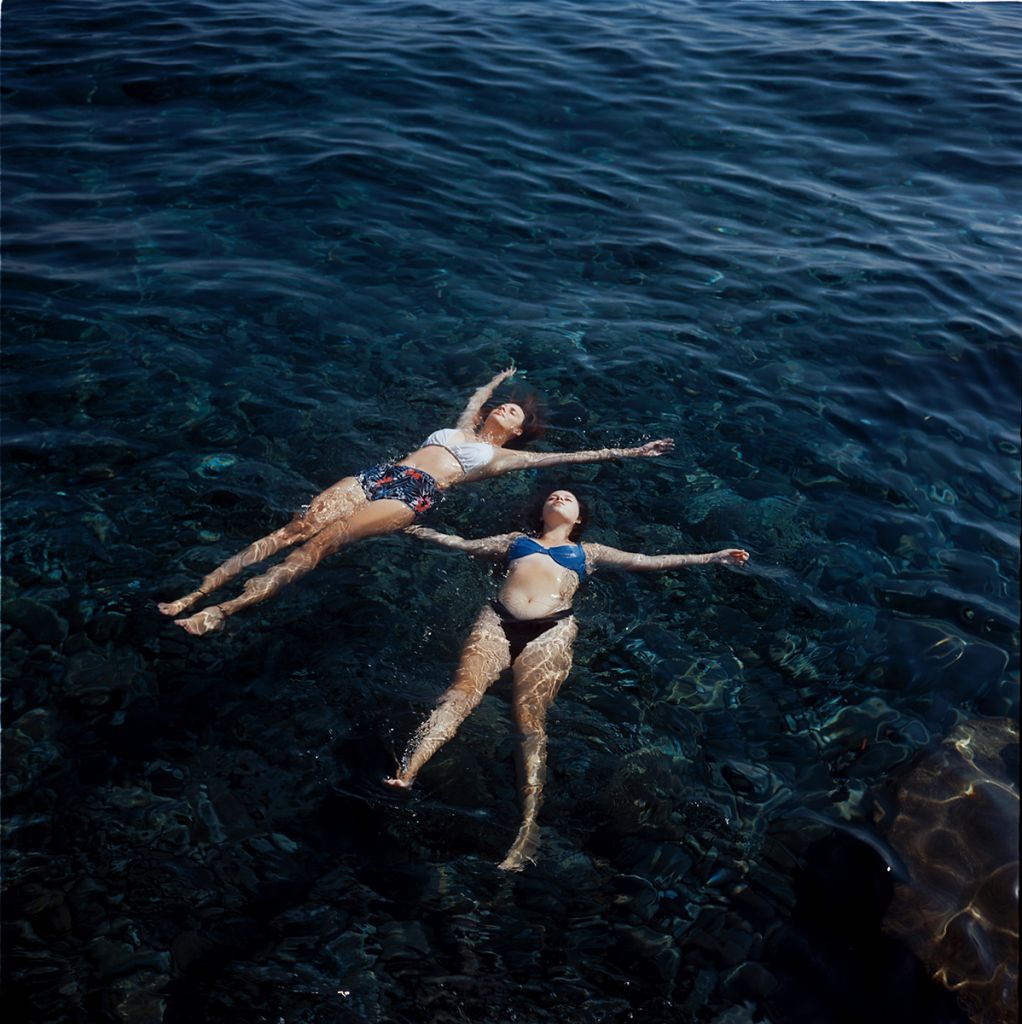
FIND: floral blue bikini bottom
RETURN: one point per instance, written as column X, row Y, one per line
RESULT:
column 418, row 490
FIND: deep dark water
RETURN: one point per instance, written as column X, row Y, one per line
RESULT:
column 249, row 248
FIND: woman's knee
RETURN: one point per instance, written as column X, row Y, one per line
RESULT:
column 532, row 738
column 307, row 557
column 465, row 694
column 473, row 680
column 297, row 530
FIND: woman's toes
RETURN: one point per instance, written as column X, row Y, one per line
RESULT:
column 178, row 606
column 209, row 620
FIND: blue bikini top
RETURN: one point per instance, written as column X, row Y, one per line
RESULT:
column 571, row 556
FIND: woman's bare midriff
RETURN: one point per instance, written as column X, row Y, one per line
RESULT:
column 441, row 465
column 536, row 586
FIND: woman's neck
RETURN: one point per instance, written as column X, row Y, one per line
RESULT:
column 495, row 436
column 557, row 536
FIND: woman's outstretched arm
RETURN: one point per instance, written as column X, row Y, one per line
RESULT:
column 508, row 460
column 486, row 547
column 600, row 556
column 469, row 419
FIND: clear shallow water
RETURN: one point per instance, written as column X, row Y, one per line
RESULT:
column 295, row 236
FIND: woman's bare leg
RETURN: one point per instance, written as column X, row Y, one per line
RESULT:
column 339, row 501
column 538, row 673
column 485, row 655
column 376, row 517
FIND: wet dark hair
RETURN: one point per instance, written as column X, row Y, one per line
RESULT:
column 533, row 515
column 534, row 424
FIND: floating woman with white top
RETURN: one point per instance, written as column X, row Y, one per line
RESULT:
column 530, row 628
column 389, row 497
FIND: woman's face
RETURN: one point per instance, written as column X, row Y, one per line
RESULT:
column 561, row 507
column 508, row 416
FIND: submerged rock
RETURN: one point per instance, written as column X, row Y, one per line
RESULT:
column 956, row 827
column 39, row 621
column 215, row 465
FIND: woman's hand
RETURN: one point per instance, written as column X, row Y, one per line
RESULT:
column 654, row 448
column 469, row 419
column 729, row 556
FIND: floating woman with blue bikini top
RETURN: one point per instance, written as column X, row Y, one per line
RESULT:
column 389, row 497
column 529, row 628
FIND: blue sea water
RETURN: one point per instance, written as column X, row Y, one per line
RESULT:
column 250, row 248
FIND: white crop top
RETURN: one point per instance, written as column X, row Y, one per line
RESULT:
column 471, row 454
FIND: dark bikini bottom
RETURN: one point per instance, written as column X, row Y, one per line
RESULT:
column 519, row 632
column 416, row 489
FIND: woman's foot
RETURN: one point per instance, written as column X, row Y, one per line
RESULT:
column 396, row 782
column 514, row 862
column 524, row 849
column 209, row 620
column 177, row 607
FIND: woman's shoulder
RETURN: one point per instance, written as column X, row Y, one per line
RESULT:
column 456, row 435
column 444, row 432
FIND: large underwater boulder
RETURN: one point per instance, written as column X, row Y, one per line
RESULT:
column 954, row 822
